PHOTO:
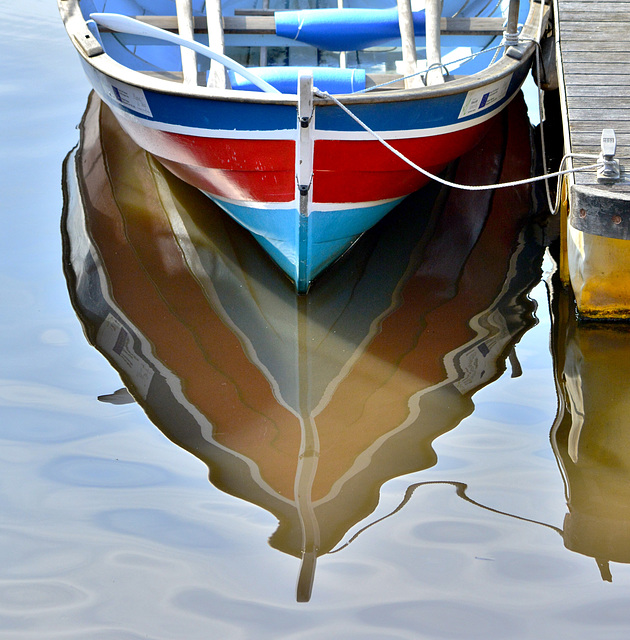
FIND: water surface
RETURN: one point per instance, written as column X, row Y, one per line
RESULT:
column 472, row 461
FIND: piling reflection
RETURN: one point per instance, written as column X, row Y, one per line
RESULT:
column 304, row 406
column 591, row 435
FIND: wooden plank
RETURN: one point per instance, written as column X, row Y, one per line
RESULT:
column 567, row 7
column 587, row 57
column 574, row 5
column 577, row 102
column 472, row 26
column 585, row 129
column 593, row 140
column 249, row 24
column 581, row 45
column 591, row 145
column 586, row 30
column 264, row 23
column 615, row 15
column 596, row 69
column 599, row 114
column 231, row 24
column 594, row 91
column 618, row 42
column 594, row 134
column 602, row 80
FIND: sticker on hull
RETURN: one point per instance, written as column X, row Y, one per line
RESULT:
column 480, row 99
column 131, row 97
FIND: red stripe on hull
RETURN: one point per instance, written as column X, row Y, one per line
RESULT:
column 250, row 186
column 239, row 169
column 365, row 170
column 355, row 187
column 345, row 171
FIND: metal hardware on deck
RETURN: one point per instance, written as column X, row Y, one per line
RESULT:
column 444, row 72
column 609, row 172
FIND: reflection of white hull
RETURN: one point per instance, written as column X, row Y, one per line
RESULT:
column 304, row 406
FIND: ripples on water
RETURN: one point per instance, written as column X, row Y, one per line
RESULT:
column 402, row 443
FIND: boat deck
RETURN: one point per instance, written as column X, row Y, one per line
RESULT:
column 594, row 68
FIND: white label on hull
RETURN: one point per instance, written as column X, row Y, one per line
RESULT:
column 130, row 97
column 480, row 99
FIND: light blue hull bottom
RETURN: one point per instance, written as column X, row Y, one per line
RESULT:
column 303, row 246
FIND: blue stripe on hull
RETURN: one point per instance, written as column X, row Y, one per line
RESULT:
column 232, row 116
column 413, row 115
column 200, row 113
column 313, row 242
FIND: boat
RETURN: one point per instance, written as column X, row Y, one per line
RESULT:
column 305, row 132
column 301, row 405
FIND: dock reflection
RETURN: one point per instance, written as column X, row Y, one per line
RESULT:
column 591, row 434
column 304, row 406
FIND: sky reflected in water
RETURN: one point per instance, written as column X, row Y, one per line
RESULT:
column 472, row 480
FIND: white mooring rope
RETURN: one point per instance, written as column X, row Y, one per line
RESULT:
column 546, row 176
column 448, row 183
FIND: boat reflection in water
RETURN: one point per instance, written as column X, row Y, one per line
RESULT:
column 304, row 406
column 591, row 435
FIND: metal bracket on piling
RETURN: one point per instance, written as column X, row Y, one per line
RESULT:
column 609, row 171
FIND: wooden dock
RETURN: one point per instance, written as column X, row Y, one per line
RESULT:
column 593, row 64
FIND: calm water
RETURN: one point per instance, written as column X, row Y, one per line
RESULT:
column 474, row 464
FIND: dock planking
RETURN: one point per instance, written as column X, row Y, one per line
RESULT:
column 592, row 60
column 593, row 64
